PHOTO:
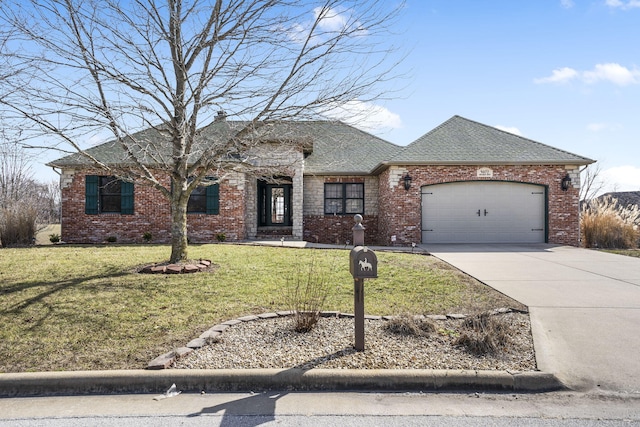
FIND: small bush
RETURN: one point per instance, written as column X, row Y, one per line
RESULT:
column 221, row 237
column 605, row 224
column 484, row 334
column 409, row 325
column 147, row 236
column 306, row 295
column 54, row 238
column 112, row 239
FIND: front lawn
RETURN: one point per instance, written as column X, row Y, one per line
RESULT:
column 86, row 307
column 627, row 252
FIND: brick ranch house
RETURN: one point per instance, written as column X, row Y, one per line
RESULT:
column 462, row 182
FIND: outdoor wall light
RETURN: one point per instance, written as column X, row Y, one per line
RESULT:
column 407, row 182
column 565, row 183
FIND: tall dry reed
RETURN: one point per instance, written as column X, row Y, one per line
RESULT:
column 606, row 224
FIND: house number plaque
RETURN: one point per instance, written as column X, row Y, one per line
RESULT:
column 485, row 173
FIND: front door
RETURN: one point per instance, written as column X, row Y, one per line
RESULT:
column 274, row 204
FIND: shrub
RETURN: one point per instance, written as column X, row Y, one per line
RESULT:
column 54, row 238
column 306, row 295
column 605, row 224
column 221, row 237
column 409, row 325
column 112, row 239
column 17, row 225
column 147, row 236
column 484, row 334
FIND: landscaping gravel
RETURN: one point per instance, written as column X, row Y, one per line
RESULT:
column 273, row 343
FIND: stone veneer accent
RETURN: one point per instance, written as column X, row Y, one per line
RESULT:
column 336, row 229
column 400, row 212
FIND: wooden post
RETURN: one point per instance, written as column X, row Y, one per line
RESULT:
column 358, row 299
column 358, row 288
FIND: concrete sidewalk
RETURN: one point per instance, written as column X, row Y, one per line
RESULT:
column 584, row 307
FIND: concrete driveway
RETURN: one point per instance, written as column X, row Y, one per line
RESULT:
column 584, row 307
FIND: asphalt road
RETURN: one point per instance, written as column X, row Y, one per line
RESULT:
column 315, row 409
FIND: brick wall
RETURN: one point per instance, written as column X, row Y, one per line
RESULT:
column 151, row 214
column 390, row 210
column 336, row 229
column 400, row 210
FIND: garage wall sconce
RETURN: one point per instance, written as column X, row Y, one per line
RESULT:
column 565, row 183
column 407, row 182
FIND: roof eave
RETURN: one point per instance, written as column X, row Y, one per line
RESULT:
column 488, row 163
column 336, row 173
column 382, row 166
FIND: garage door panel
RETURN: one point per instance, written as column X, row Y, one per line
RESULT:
column 483, row 212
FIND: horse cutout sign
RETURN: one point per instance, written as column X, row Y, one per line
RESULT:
column 364, row 263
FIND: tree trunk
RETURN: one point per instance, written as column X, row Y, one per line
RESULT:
column 178, row 230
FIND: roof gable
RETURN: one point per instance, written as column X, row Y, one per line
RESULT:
column 463, row 141
column 333, row 147
column 336, row 148
column 341, row 149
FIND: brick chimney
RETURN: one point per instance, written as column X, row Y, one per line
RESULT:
column 221, row 116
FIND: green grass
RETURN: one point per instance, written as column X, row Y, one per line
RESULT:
column 85, row 307
column 627, row 252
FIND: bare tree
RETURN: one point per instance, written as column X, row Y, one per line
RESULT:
column 591, row 182
column 171, row 65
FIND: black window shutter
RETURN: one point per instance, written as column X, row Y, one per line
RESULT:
column 126, row 198
column 213, row 199
column 91, row 195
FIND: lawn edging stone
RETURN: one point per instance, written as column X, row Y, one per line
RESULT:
column 166, row 360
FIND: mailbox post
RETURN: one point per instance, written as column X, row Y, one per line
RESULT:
column 363, row 264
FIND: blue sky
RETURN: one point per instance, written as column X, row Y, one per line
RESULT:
column 562, row 72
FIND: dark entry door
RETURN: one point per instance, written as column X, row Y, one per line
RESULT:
column 274, row 204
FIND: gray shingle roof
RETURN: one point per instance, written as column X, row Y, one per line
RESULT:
column 337, row 148
column 463, row 141
column 341, row 149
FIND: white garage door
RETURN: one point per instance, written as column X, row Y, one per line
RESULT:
column 483, row 212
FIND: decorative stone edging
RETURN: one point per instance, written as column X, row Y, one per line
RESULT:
column 194, row 267
column 165, row 360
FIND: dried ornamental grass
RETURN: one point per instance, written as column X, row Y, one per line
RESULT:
column 606, row 224
column 484, row 334
column 409, row 325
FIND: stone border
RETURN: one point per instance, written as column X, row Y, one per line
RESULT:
column 197, row 267
column 234, row 380
column 164, row 361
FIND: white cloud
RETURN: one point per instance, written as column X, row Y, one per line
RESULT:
column 567, row 4
column 560, row 75
column 298, row 33
column 366, row 116
column 329, row 20
column 513, row 130
column 600, row 127
column 614, row 73
column 610, row 72
column 621, row 178
column 630, row 4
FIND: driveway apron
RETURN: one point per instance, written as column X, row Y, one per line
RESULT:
column 584, row 307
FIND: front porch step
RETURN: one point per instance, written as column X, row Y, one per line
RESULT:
column 274, row 233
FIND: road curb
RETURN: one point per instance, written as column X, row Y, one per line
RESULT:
column 224, row 380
